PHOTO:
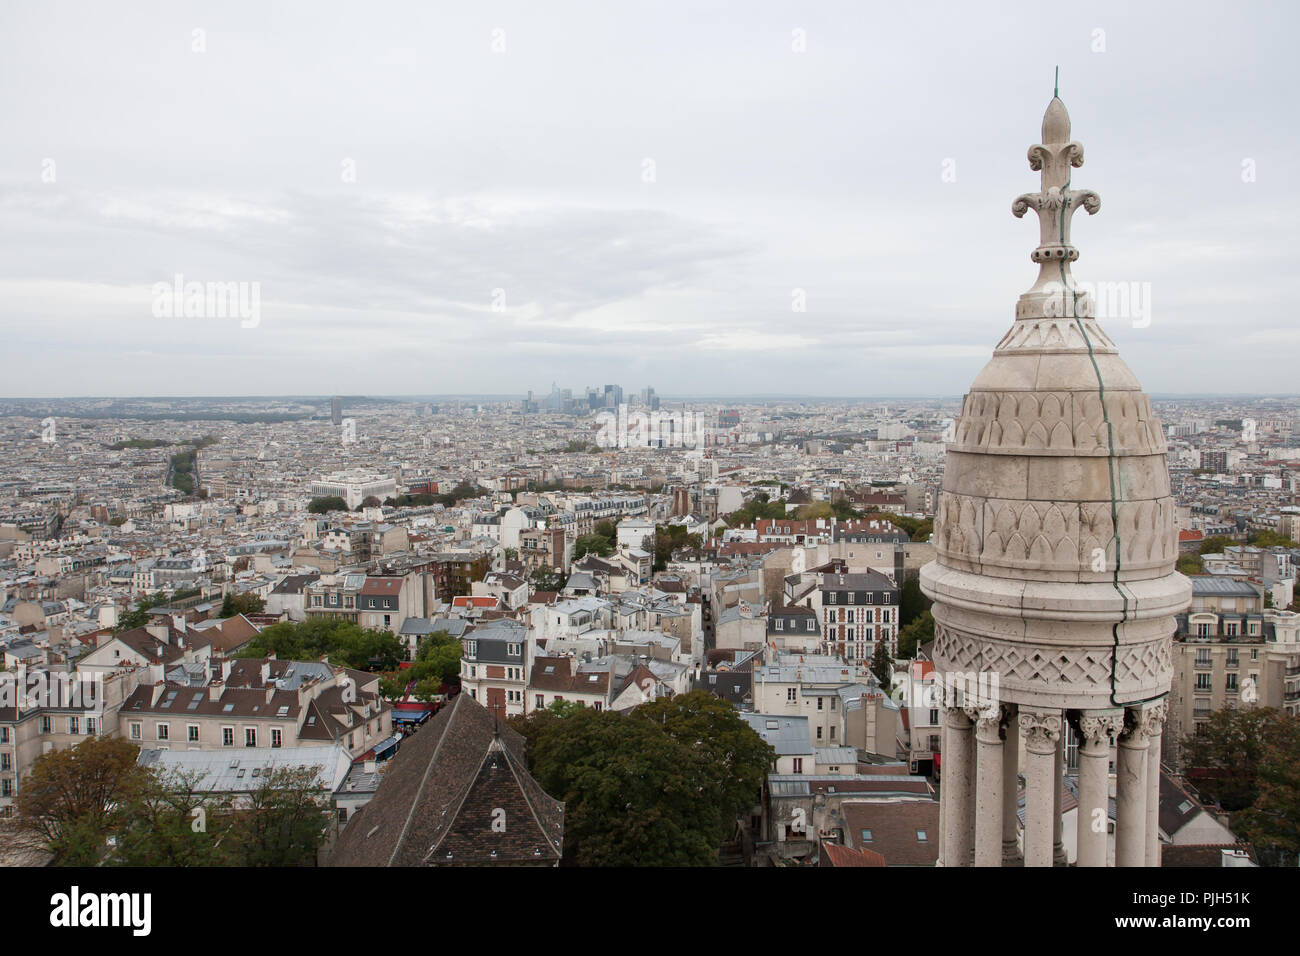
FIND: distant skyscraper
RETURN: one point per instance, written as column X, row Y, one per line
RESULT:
column 336, row 410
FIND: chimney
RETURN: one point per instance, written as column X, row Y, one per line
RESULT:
column 157, row 693
column 214, row 690
column 270, row 692
column 225, row 669
column 266, row 671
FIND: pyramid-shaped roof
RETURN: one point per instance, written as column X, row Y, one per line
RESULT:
column 457, row 786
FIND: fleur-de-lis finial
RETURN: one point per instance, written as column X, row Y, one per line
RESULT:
column 1055, row 203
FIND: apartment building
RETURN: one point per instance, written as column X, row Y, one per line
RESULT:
column 48, row 709
column 1229, row 652
column 497, row 657
column 858, row 610
column 253, row 703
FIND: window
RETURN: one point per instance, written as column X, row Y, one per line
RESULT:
column 539, row 704
column 922, row 836
column 192, row 733
column 74, row 725
column 780, row 624
column 1230, row 629
column 1203, row 682
column 45, row 726
column 137, row 731
column 92, row 726
column 820, row 702
column 277, row 737
column 934, row 716
column 798, row 764
column 866, row 836
column 162, row 731
column 5, row 761
column 819, row 733
column 227, row 736
column 343, row 814
column 4, row 735
column 791, row 693
column 832, row 732
column 250, row 736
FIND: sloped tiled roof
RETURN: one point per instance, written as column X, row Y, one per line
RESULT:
column 434, row 799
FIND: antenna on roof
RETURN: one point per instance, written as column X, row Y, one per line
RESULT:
column 1056, row 87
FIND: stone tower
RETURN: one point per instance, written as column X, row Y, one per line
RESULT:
column 1054, row 582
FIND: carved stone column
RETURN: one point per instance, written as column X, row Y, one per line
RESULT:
column 1131, row 790
column 1097, row 730
column 958, row 766
column 990, row 740
column 1042, row 732
column 1059, row 856
column 943, row 790
column 1011, row 786
column 1154, row 716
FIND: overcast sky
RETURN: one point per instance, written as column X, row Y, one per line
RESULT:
column 379, row 169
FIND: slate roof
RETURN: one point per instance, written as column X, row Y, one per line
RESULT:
column 439, row 794
column 894, row 829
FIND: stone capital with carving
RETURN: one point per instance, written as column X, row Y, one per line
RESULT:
column 1098, row 728
column 1153, row 717
column 989, row 727
column 1041, row 730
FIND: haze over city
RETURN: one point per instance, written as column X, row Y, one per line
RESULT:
column 482, row 200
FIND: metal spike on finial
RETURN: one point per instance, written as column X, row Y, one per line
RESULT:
column 1056, row 87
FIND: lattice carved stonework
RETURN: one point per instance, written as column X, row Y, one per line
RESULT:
column 1068, row 668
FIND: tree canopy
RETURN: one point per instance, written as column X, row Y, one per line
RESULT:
column 234, row 604
column 320, row 506
column 94, row 805
column 913, row 635
column 661, row 786
column 1273, row 823
column 343, row 643
column 1223, row 756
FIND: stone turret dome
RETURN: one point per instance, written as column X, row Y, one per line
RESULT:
column 1055, row 537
